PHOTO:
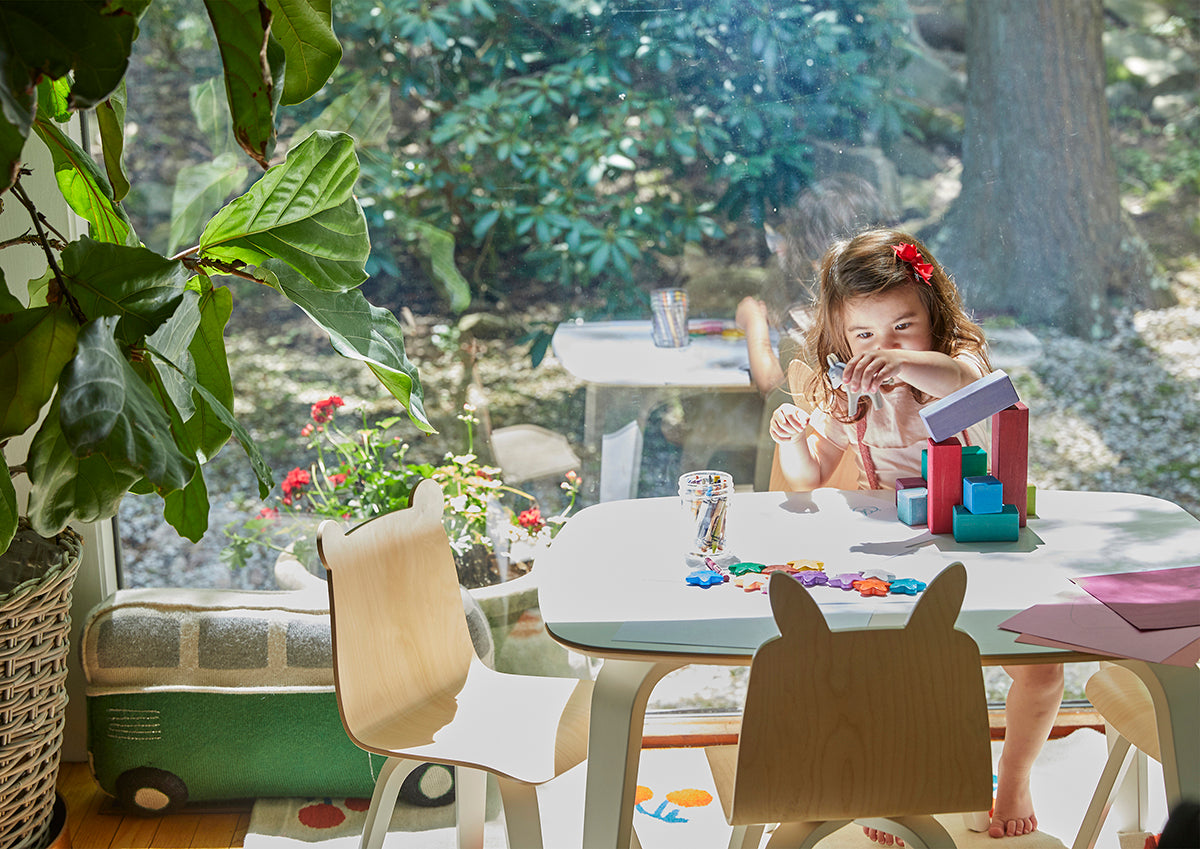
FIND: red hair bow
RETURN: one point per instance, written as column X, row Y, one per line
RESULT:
column 906, row 252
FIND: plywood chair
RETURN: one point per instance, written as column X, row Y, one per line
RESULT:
column 410, row 687
column 882, row 726
column 1120, row 697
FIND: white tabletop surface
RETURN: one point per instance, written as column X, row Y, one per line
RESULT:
column 613, row 580
column 622, row 353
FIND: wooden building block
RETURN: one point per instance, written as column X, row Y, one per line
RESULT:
column 975, row 461
column 945, row 483
column 973, row 403
column 912, row 505
column 1031, row 500
column 982, row 494
column 986, row 527
column 907, row 483
column 1010, row 455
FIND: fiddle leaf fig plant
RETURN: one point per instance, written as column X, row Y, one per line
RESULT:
column 115, row 359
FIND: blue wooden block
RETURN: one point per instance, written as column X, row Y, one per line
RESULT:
column 973, row 403
column 912, row 505
column 1004, row 526
column 975, row 461
column 983, row 494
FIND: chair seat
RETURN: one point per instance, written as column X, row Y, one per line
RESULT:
column 497, row 721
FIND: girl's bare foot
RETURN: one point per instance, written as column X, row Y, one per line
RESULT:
column 882, row 837
column 1012, row 815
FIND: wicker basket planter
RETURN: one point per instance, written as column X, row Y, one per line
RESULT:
column 35, row 623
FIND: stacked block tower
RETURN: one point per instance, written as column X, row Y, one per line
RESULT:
column 956, row 493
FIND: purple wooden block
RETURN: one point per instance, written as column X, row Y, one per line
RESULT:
column 973, row 403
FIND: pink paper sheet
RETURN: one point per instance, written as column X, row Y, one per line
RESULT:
column 1091, row 626
column 1161, row 598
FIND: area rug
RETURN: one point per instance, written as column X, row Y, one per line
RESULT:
column 677, row 808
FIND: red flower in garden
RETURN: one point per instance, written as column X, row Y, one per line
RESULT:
column 295, row 479
column 337, row 479
column 908, row 253
column 531, row 520
column 322, row 411
column 268, row 513
column 307, row 430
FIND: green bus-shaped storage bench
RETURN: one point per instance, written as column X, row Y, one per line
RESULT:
column 201, row 695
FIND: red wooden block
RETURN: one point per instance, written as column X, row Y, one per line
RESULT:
column 1010, row 455
column 944, row 461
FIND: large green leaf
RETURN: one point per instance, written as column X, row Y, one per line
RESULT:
column 84, row 186
column 139, row 286
column 185, row 509
column 360, row 331
column 301, row 211
column 210, row 108
column 207, row 430
column 304, row 29
column 35, row 345
column 253, row 63
column 8, row 505
column 105, row 408
column 66, row 488
column 438, row 246
column 174, row 338
column 261, row 470
column 365, row 112
column 199, row 190
column 110, row 118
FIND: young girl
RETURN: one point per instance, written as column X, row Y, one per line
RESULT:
column 890, row 313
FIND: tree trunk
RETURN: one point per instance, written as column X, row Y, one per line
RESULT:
column 1038, row 232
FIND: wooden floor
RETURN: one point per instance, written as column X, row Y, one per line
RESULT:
column 96, row 822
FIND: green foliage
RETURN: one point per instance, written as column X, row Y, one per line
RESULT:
column 126, row 344
column 573, row 141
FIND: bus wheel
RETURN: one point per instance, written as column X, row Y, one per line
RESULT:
column 151, row 792
column 429, row 786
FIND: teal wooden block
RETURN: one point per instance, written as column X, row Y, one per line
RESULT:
column 925, row 463
column 912, row 505
column 983, row 494
column 1004, row 526
column 974, row 461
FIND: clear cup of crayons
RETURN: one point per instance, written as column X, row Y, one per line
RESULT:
column 669, row 318
column 704, row 496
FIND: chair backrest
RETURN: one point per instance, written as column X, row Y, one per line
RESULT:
column 877, row 722
column 400, row 640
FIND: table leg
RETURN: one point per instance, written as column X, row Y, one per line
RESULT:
column 1175, row 691
column 619, row 699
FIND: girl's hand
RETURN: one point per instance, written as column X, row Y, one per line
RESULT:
column 788, row 423
column 868, row 371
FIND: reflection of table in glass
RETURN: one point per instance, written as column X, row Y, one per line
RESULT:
column 612, row 587
column 627, row 375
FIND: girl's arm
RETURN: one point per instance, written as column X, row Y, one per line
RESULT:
column 930, row 372
column 806, row 459
column 765, row 371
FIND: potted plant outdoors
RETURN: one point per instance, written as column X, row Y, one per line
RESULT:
column 114, row 361
column 365, row 472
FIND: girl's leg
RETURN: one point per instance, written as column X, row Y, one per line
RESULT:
column 1030, row 710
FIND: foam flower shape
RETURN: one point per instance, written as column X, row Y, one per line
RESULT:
column 871, row 586
column 908, row 253
column 845, row 581
column 705, row 578
column 907, row 586
column 745, row 567
column 812, row 579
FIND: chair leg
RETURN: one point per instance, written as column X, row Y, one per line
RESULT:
column 921, row 832
column 470, row 806
column 745, row 836
column 1119, row 759
column 803, row 835
column 383, row 801
column 522, row 820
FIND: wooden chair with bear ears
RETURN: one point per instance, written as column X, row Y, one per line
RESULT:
column 882, row 726
column 411, row 688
